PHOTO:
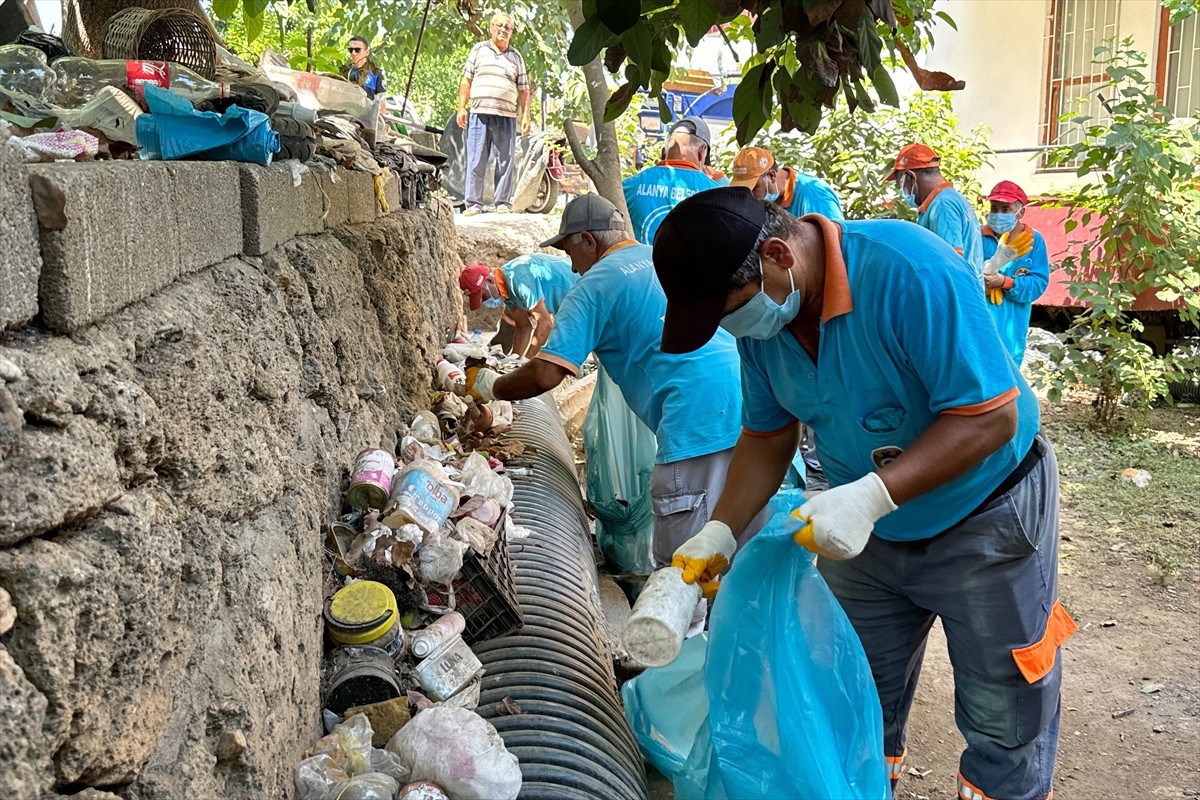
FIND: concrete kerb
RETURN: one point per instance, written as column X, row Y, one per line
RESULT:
column 132, row 229
column 274, row 208
column 360, row 187
column 18, row 243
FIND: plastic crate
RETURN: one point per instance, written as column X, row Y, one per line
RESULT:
column 484, row 593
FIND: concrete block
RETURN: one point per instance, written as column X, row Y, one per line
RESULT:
column 336, row 197
column 132, row 228
column 360, row 187
column 274, row 208
column 19, row 248
column 391, row 191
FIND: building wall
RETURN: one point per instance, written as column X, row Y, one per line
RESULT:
column 1000, row 50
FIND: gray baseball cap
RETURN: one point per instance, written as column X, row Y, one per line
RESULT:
column 590, row 212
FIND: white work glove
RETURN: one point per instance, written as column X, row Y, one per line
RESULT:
column 1007, row 250
column 840, row 520
column 704, row 556
column 481, row 383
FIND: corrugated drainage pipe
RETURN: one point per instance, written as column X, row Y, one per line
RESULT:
column 571, row 737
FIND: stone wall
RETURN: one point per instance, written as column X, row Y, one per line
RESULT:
column 173, row 437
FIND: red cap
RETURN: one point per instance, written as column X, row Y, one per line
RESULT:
column 1008, row 192
column 914, row 156
column 471, row 280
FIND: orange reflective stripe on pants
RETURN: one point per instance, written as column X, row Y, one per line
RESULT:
column 895, row 765
column 1036, row 660
column 967, row 791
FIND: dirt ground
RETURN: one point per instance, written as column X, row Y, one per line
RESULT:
column 1130, row 576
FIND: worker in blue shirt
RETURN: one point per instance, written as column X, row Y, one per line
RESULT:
column 787, row 187
column 1013, row 286
column 944, row 498
column 654, row 191
column 529, row 287
column 692, row 402
column 940, row 207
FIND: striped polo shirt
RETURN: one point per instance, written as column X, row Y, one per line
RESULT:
column 495, row 78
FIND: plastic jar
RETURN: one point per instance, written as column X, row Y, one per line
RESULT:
column 365, row 613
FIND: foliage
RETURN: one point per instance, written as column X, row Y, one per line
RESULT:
column 1181, row 9
column 393, row 26
column 630, row 136
column 1137, row 228
column 807, row 52
column 853, row 152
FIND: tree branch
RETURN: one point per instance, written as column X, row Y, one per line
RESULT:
column 577, row 151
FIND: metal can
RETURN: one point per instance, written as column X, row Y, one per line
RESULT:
column 448, row 670
column 371, row 481
column 426, row 641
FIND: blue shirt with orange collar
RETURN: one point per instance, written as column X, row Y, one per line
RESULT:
column 901, row 344
column 948, row 214
column 1025, row 279
column 654, row 191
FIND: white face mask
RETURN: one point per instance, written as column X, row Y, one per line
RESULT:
column 762, row 317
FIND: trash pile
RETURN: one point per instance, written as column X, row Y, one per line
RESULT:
column 420, row 573
column 209, row 105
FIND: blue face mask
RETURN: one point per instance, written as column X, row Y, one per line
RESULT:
column 762, row 317
column 493, row 302
column 771, row 197
column 1002, row 223
column 905, row 194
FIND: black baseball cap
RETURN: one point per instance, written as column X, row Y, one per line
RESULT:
column 698, row 247
column 589, row 212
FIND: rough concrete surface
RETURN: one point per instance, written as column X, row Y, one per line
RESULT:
column 131, row 230
column 18, row 243
column 274, row 208
column 164, row 478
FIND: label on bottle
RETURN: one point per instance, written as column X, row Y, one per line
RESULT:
column 139, row 73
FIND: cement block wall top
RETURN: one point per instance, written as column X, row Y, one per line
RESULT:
column 361, row 191
column 132, row 228
column 335, row 190
column 274, row 208
column 19, row 247
column 391, row 191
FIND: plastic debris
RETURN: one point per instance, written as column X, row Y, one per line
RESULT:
column 460, row 752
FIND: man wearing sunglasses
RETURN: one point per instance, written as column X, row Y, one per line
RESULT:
column 362, row 70
column 497, row 86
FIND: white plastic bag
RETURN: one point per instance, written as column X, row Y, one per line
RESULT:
column 316, row 776
column 440, row 557
column 460, row 752
column 479, row 480
column 480, row 537
column 368, row 786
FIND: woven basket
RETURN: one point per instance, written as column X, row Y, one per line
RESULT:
column 168, row 34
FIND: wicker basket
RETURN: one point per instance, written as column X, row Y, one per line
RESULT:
column 168, row 34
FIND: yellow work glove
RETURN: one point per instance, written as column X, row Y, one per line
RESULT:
column 995, row 295
column 480, row 383
column 1009, row 249
column 706, row 555
column 840, row 520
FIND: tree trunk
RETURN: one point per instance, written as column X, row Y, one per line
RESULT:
column 605, row 168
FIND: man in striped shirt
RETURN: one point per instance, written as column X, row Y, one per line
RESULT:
column 497, row 86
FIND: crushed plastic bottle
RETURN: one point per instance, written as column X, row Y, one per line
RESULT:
column 24, row 70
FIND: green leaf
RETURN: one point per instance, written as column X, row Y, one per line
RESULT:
column 770, row 29
column 590, row 39
column 946, row 18
column 698, row 17
column 619, row 15
column 885, row 88
column 619, row 101
column 252, row 15
column 638, row 45
column 751, row 101
column 22, row 121
column 225, row 9
column 664, row 109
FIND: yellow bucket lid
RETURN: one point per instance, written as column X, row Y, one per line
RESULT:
column 361, row 612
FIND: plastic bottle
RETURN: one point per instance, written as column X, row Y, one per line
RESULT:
column 476, row 337
column 24, row 69
column 79, row 79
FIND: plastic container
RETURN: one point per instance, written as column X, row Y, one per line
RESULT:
column 424, row 642
column 365, row 613
column 450, row 376
column 448, row 670
column 24, row 69
column 371, row 481
column 421, row 495
column 358, row 676
column 80, row 79
column 484, row 593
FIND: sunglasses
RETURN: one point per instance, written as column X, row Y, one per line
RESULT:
column 355, row 49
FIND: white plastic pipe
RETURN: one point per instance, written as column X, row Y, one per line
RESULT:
column 654, row 631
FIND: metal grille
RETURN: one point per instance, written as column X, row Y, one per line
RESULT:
column 1076, row 28
column 1182, row 91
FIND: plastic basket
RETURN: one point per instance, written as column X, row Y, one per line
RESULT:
column 168, row 34
column 484, row 593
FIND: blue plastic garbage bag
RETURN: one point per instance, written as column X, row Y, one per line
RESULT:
column 175, row 130
column 620, row 451
column 788, row 707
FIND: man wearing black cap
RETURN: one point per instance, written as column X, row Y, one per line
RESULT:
column 691, row 401
column 654, row 191
column 944, row 498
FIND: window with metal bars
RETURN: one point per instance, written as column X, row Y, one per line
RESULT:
column 1179, row 65
column 1074, row 30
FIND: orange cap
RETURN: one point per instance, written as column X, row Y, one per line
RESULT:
column 749, row 165
column 914, row 156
